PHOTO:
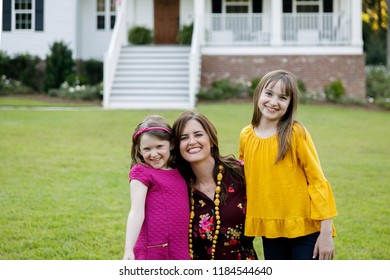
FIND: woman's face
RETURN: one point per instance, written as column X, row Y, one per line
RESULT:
column 194, row 142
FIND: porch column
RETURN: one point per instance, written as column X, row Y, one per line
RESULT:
column 199, row 11
column 276, row 22
column 356, row 11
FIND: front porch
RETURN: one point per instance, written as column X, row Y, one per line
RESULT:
column 261, row 30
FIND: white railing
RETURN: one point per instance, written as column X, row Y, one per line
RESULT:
column 111, row 56
column 331, row 29
column 316, row 29
column 194, row 59
column 235, row 29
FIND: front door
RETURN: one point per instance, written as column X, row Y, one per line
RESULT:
column 166, row 21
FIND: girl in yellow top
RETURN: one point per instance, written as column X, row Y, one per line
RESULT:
column 290, row 202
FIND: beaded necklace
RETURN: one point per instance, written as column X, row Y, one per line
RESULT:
column 217, row 216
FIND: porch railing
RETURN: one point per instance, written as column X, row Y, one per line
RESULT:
column 331, row 29
column 111, row 57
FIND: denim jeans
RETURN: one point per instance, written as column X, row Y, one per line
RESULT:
column 299, row 248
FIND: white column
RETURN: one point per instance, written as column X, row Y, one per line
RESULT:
column 356, row 22
column 276, row 21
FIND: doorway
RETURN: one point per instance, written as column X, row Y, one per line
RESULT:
column 166, row 21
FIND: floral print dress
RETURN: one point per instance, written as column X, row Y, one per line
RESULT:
column 231, row 243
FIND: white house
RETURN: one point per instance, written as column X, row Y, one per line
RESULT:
column 318, row 40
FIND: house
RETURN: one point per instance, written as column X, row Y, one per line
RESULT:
column 318, row 40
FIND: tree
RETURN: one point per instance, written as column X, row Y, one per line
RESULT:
column 375, row 31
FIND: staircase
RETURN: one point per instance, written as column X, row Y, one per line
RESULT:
column 151, row 77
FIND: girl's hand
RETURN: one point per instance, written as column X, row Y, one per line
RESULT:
column 324, row 247
column 129, row 255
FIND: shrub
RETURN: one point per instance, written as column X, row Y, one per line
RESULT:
column 83, row 92
column 59, row 65
column 334, row 91
column 219, row 90
column 185, row 35
column 252, row 86
column 140, row 35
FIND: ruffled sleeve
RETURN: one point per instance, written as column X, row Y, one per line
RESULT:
column 323, row 205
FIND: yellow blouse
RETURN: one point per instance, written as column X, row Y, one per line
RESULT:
column 287, row 199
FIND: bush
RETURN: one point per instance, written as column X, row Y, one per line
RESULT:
column 252, row 86
column 83, row 92
column 185, row 35
column 59, row 65
column 140, row 35
column 220, row 90
column 334, row 91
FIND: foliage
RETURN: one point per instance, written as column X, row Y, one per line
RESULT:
column 78, row 91
column 64, row 184
column 220, row 90
column 334, row 91
column 24, row 68
column 378, row 85
column 59, row 64
column 10, row 86
column 140, row 35
column 375, row 19
column 252, row 86
column 185, row 35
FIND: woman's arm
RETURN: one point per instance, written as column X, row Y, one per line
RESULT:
column 136, row 216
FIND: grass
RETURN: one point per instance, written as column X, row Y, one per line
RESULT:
column 40, row 101
column 64, row 177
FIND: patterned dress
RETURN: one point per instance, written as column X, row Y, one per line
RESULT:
column 231, row 243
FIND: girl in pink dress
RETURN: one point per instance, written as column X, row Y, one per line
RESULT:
column 157, row 225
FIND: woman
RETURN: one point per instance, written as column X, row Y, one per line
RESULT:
column 217, row 188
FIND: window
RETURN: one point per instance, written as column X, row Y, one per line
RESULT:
column 23, row 14
column 105, row 16
column 307, row 6
column 237, row 6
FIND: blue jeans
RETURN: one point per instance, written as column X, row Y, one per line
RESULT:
column 299, row 248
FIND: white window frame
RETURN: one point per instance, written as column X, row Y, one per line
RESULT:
column 109, row 10
column 16, row 12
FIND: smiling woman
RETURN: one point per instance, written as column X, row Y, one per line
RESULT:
column 218, row 197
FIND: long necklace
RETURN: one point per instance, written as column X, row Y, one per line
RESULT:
column 217, row 216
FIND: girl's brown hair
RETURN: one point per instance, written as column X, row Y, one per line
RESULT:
column 285, row 125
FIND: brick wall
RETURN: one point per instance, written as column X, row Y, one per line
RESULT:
column 314, row 70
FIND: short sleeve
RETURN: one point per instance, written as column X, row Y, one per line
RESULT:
column 141, row 173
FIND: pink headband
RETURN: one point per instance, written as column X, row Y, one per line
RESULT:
column 151, row 128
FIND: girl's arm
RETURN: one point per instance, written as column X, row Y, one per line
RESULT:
column 324, row 247
column 136, row 216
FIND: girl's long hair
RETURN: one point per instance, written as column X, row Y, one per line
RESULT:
column 285, row 125
column 231, row 165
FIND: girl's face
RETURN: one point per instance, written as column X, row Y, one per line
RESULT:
column 194, row 142
column 273, row 102
column 155, row 151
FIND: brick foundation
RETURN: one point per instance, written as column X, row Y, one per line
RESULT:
column 315, row 71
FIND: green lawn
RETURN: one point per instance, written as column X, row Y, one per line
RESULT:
column 64, row 177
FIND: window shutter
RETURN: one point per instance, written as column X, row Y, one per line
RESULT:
column 7, row 15
column 217, row 6
column 257, row 6
column 39, row 15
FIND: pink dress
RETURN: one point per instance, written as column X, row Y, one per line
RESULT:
column 164, row 233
